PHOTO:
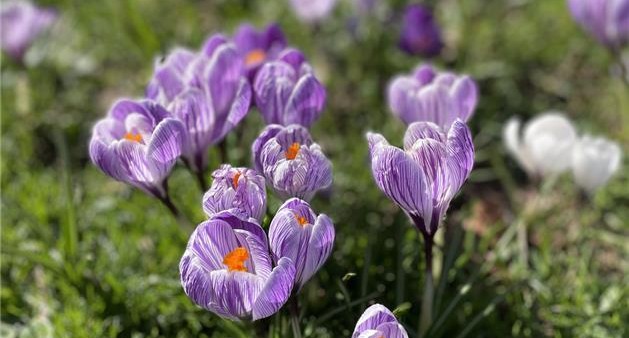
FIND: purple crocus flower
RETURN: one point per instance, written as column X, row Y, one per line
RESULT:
column 298, row 233
column 377, row 321
column 420, row 33
column 312, row 10
column 257, row 47
column 287, row 92
column 426, row 95
column 293, row 165
column 423, row 177
column 226, row 269
column 242, row 189
column 21, row 23
column 207, row 91
column 138, row 143
column 607, row 20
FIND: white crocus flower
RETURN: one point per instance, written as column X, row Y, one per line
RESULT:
column 545, row 146
column 594, row 161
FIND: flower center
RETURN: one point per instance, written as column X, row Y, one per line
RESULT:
column 254, row 57
column 135, row 137
column 301, row 220
column 235, row 179
column 292, row 151
column 235, row 259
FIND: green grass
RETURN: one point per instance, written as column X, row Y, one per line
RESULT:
column 85, row 256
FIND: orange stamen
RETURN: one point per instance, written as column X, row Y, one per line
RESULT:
column 254, row 57
column 235, row 179
column 135, row 137
column 235, row 260
column 292, row 151
column 301, row 220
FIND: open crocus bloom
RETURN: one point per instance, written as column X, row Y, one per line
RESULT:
column 420, row 33
column 226, row 269
column 138, row 143
column 207, row 91
column 236, row 188
column 256, row 47
column 298, row 233
column 594, row 161
column 312, row 10
column 546, row 145
column 377, row 321
column 287, row 92
column 292, row 164
column 607, row 20
column 21, row 22
column 427, row 95
column 423, row 177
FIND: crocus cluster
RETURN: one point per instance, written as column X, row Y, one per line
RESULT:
column 420, row 33
column 549, row 145
column 606, row 20
column 21, row 23
column 433, row 96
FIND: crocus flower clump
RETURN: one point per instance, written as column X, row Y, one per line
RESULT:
column 21, row 23
column 606, row 20
column 138, row 143
column 420, row 33
column 208, row 91
column 287, row 92
column 429, row 95
column 293, row 165
column 378, row 321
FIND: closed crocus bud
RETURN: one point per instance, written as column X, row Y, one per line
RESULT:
column 256, row 47
column 287, row 92
column 428, row 95
column 138, row 144
column 312, row 10
column 378, row 321
column 420, row 33
column 227, row 269
column 242, row 189
column 607, row 20
column 546, row 145
column 293, row 165
column 425, row 176
column 594, row 162
column 207, row 91
column 21, row 23
column 298, row 233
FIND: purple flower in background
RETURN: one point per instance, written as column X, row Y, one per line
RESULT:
column 426, row 95
column 420, row 33
column 286, row 92
column 207, row 91
column 424, row 177
column 293, row 165
column 242, row 189
column 257, row 47
column 21, row 23
column 377, row 321
column 298, row 233
column 607, row 20
column 138, row 143
column 312, row 10
column 226, row 269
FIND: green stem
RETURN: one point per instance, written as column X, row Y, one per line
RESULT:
column 425, row 319
column 293, row 308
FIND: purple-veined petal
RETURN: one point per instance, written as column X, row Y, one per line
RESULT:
column 273, row 86
column 422, row 130
column 319, row 247
column 276, row 290
column 237, row 111
column 306, row 102
column 374, row 316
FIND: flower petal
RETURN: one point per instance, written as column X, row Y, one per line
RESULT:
column 306, row 102
column 238, row 110
column 273, row 86
column 165, row 147
column 374, row 316
column 422, row 130
column 319, row 247
column 276, row 290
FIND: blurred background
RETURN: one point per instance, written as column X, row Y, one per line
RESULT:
column 86, row 256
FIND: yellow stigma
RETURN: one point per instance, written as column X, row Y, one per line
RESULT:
column 235, row 260
column 135, row 137
column 292, row 151
column 301, row 220
column 235, row 179
column 254, row 57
